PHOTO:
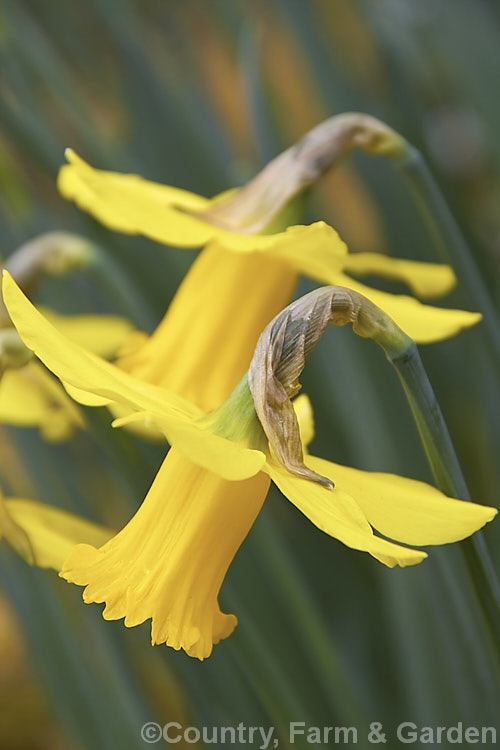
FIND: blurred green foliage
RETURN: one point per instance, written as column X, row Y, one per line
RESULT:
column 200, row 95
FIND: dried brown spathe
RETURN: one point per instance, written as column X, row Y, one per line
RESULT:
column 281, row 354
column 251, row 208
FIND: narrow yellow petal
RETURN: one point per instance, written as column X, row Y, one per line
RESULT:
column 53, row 532
column 84, row 370
column 131, row 204
column 409, row 511
column 423, row 323
column 305, row 417
column 169, row 562
column 320, row 254
column 103, row 335
column 336, row 513
column 229, row 460
column 140, row 423
column 86, row 398
column 426, row 280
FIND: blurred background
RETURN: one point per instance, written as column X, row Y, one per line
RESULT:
column 200, row 95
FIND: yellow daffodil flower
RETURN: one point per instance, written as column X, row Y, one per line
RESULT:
column 262, row 270
column 29, row 395
column 133, row 205
column 169, row 561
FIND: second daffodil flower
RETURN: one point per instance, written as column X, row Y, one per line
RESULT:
column 250, row 263
column 29, row 395
column 246, row 244
column 169, row 561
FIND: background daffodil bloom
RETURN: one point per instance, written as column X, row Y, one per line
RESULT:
column 169, row 561
column 31, row 397
column 131, row 204
column 44, row 535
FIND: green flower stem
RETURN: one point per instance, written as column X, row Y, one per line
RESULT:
column 448, row 475
column 448, row 238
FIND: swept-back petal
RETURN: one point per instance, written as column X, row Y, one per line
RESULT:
column 336, row 513
column 225, row 458
column 423, row 323
column 426, row 280
column 103, row 335
column 407, row 510
column 84, row 370
column 323, row 256
column 52, row 532
column 131, row 204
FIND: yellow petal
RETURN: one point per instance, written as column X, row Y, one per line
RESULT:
column 32, row 397
column 103, row 335
column 336, row 513
column 409, row 511
column 423, row 323
column 23, row 401
column 131, row 204
column 86, row 398
column 84, row 370
column 169, row 562
column 426, row 280
column 223, row 457
column 53, row 532
column 140, row 423
column 320, row 254
column 15, row 535
column 305, row 417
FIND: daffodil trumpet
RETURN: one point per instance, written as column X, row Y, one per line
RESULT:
column 168, row 563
